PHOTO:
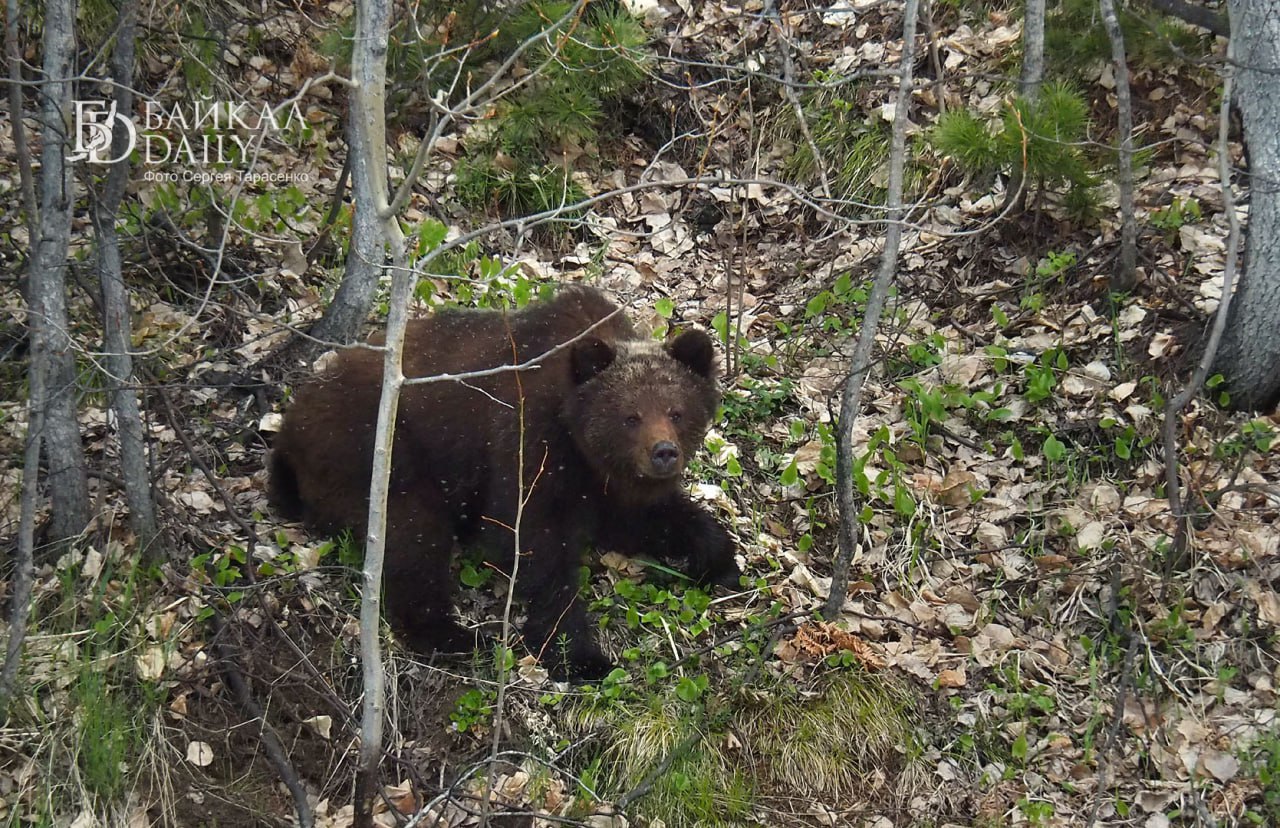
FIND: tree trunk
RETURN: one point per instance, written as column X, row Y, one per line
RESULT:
column 374, row 229
column 1032, row 51
column 51, row 347
column 1029, row 83
column 367, row 150
column 116, row 325
column 1124, row 276
column 1250, row 354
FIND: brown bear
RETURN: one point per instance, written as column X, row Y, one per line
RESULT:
column 610, row 418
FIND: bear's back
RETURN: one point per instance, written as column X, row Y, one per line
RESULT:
column 459, row 340
column 453, row 436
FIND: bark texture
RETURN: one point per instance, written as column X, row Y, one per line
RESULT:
column 1124, row 277
column 367, row 148
column 52, row 353
column 371, row 232
column 116, row 326
column 1032, row 50
column 1250, row 354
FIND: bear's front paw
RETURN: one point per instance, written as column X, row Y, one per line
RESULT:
column 713, row 563
column 435, row 635
column 588, row 667
column 729, row 577
column 583, row 663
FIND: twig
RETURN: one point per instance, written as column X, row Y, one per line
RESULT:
column 1178, row 555
column 1124, row 276
column 522, row 500
column 935, row 58
column 270, row 741
column 21, row 150
column 788, row 90
column 532, row 362
column 335, row 206
column 1117, row 720
column 24, row 563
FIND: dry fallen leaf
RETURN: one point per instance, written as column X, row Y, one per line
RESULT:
column 199, row 754
column 1223, row 766
column 322, row 725
column 150, row 663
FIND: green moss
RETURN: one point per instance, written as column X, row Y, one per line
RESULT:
column 827, row 742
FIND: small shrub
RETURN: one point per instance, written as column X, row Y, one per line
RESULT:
column 1075, row 39
column 852, row 147
column 1047, row 136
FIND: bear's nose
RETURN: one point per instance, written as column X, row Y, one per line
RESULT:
column 665, row 459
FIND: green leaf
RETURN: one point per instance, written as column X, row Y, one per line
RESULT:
column 1019, row 747
column 474, row 577
column 431, row 233
column 1054, row 450
column 817, row 304
column 903, row 503
column 690, row 689
column 665, row 307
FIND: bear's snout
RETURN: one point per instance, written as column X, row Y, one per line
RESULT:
column 665, row 459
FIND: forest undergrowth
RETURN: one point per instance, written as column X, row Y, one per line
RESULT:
column 1019, row 645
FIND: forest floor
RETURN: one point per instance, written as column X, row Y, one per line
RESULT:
column 1020, row 645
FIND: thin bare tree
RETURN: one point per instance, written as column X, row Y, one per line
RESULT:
column 1029, row 82
column 375, row 231
column 1124, row 276
column 51, row 419
column 1178, row 557
column 851, row 395
column 13, row 54
column 1032, row 76
column 116, row 326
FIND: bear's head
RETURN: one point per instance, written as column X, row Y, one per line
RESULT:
column 640, row 408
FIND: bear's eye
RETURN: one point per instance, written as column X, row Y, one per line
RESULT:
column 632, row 421
column 675, row 416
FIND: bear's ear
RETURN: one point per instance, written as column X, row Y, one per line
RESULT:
column 694, row 350
column 589, row 357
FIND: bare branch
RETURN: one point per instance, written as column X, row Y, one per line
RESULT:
column 851, row 397
column 1178, row 555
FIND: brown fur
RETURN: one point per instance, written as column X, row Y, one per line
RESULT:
column 609, row 424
